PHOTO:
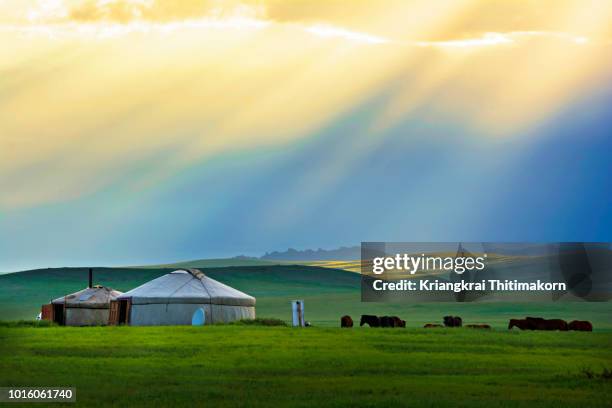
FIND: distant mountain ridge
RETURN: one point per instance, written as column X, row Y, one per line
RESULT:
column 339, row 254
column 354, row 252
column 351, row 253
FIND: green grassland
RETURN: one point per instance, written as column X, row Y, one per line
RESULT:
column 21, row 294
column 217, row 263
column 347, row 265
column 328, row 294
column 239, row 365
column 235, row 365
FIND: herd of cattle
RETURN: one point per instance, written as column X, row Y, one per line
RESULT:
column 538, row 323
column 528, row 323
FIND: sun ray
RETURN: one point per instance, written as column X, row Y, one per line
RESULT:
column 88, row 89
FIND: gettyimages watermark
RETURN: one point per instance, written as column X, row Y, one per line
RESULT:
column 466, row 272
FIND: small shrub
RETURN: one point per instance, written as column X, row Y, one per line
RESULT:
column 588, row 373
column 606, row 373
column 261, row 322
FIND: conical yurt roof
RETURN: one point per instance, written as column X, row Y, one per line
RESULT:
column 187, row 286
column 95, row 297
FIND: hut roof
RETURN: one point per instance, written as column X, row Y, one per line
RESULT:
column 187, row 286
column 95, row 297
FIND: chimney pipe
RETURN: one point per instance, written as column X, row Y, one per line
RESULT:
column 90, row 278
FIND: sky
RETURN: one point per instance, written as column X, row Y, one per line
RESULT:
column 151, row 131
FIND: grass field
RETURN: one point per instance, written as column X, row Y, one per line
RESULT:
column 328, row 294
column 278, row 366
column 21, row 294
column 347, row 265
column 217, row 263
column 236, row 365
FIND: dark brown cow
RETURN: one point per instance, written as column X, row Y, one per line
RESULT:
column 522, row 324
column 478, row 326
column 535, row 323
column 555, row 324
column 528, row 323
column 387, row 321
column 452, row 321
column 431, row 325
column 370, row 320
column 539, row 323
column 580, row 325
column 398, row 322
column 346, row 321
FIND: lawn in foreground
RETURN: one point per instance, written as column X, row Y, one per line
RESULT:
column 252, row 366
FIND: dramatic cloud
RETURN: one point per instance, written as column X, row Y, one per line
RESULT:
column 125, row 11
column 403, row 20
column 96, row 94
column 162, row 10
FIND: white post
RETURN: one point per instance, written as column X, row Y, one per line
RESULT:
column 297, row 307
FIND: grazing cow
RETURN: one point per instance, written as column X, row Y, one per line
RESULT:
column 478, row 326
column 452, row 321
column 538, row 323
column 580, row 325
column 528, row 323
column 371, row 320
column 556, row 324
column 535, row 323
column 387, row 321
column 431, row 325
column 398, row 322
column 346, row 321
column 522, row 324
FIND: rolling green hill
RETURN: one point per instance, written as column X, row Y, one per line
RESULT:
column 217, row 263
column 328, row 294
column 22, row 293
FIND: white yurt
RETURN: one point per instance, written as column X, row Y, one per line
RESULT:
column 173, row 299
column 87, row 307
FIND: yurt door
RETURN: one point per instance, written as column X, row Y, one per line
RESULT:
column 125, row 306
column 58, row 314
column 119, row 312
column 113, row 313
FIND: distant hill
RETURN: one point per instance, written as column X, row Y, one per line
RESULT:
column 354, row 252
column 340, row 254
column 321, row 257
column 215, row 263
column 22, row 293
column 328, row 294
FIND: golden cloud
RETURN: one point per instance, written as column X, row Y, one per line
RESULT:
column 401, row 19
column 94, row 90
column 161, row 10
